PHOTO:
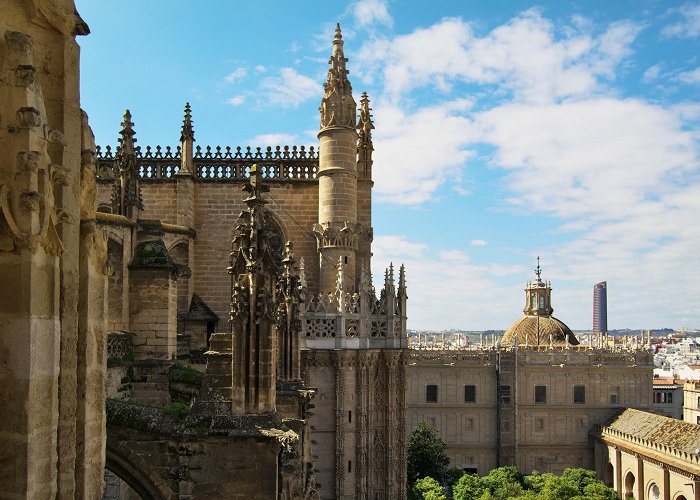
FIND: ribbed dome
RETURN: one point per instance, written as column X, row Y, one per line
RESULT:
column 536, row 330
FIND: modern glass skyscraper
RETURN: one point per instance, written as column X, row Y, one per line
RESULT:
column 600, row 307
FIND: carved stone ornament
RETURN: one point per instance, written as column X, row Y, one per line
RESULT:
column 338, row 235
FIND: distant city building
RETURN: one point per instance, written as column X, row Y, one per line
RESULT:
column 600, row 307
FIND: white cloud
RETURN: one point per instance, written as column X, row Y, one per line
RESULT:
column 416, row 152
column 478, row 243
column 651, row 73
column 525, row 57
column 369, row 12
column 689, row 77
column 595, row 157
column 236, row 75
column 237, row 100
column 289, row 89
column 260, row 69
column 689, row 26
column 446, row 291
column 280, row 139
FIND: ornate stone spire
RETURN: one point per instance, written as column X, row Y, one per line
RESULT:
column 187, row 129
column 338, row 106
column 401, row 293
column 186, row 145
column 126, row 195
column 254, row 308
column 127, row 139
column 364, row 124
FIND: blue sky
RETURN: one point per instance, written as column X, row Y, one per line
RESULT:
column 504, row 131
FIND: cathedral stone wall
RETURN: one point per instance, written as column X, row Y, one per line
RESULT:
column 215, row 207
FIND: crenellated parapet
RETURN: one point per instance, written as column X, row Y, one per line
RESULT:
column 217, row 164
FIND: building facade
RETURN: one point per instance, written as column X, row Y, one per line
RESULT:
column 648, row 457
column 529, row 400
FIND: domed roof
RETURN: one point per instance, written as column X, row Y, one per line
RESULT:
column 536, row 330
column 538, row 327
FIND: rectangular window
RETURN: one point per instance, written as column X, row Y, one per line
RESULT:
column 349, row 466
column 540, row 394
column 697, row 420
column 669, row 397
column 613, row 399
column 539, row 424
column 579, row 394
column 431, row 393
column 504, row 395
column 470, row 394
column 349, row 417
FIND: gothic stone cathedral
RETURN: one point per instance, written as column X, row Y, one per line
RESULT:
column 353, row 340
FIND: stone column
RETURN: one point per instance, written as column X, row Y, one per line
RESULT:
column 153, row 301
column 640, row 477
column 337, row 231
column 666, row 484
column 619, row 487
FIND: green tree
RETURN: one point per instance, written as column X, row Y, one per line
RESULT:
column 504, row 482
column 428, row 488
column 598, row 491
column 426, row 455
column 468, row 487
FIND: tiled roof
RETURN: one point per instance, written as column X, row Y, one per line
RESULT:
column 658, row 429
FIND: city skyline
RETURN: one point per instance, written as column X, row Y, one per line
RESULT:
column 502, row 133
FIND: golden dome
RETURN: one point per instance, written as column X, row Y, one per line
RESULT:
column 537, row 330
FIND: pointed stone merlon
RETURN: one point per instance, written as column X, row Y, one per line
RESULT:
column 337, row 170
column 187, row 144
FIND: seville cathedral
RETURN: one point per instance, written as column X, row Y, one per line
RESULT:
column 200, row 322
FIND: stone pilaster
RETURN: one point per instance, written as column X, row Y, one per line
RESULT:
column 90, row 428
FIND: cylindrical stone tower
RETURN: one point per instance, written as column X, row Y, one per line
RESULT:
column 337, row 231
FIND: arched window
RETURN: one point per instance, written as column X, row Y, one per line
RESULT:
column 654, row 493
column 629, row 485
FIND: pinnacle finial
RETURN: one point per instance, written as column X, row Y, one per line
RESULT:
column 538, row 269
column 338, row 108
column 187, row 128
column 127, row 139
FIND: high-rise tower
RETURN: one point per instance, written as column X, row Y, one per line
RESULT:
column 600, row 307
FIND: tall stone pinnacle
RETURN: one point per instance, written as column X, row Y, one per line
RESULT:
column 338, row 106
column 187, row 129
column 127, row 139
column 365, row 125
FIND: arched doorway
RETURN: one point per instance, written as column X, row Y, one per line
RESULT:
column 680, row 497
column 629, row 485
